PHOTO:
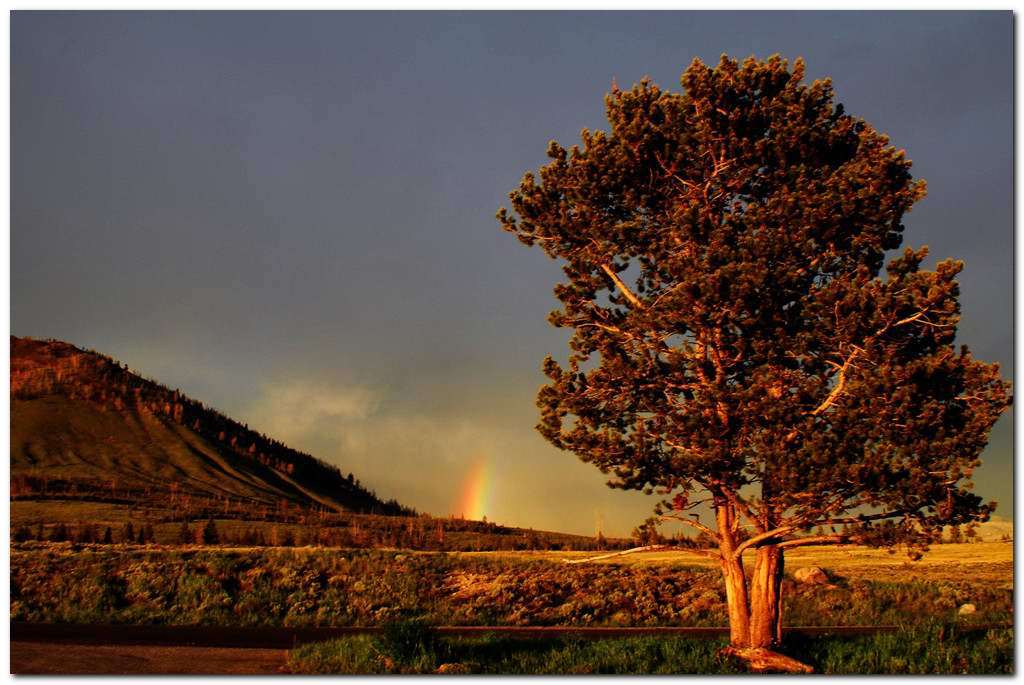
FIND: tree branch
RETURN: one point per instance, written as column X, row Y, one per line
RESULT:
column 694, row 524
column 832, row 396
column 815, row 540
column 774, row 533
column 839, row 385
column 623, row 288
column 915, row 317
column 744, row 509
column 645, row 548
column 859, row 519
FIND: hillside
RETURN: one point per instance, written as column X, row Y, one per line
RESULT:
column 83, row 423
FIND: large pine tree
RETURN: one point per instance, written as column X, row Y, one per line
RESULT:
column 736, row 344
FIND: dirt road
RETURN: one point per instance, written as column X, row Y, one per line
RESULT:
column 39, row 658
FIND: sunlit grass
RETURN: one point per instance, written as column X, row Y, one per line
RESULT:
column 316, row 586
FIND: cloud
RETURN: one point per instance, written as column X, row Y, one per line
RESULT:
column 296, row 410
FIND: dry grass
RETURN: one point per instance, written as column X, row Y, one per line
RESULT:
column 321, row 586
column 32, row 512
column 985, row 561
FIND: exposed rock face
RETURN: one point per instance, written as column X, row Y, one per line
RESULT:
column 811, row 575
column 42, row 367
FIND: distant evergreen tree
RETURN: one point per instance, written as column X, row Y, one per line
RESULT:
column 210, row 535
column 185, row 536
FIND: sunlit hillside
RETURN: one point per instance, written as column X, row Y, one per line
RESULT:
column 83, row 423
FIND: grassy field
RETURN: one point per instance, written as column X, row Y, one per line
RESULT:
column 154, row 584
column 923, row 650
column 65, row 582
column 988, row 561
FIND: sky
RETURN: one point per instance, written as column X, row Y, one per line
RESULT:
column 290, row 216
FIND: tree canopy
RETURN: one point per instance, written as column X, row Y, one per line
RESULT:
column 736, row 342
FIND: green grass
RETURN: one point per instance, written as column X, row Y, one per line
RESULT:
column 494, row 654
column 925, row 650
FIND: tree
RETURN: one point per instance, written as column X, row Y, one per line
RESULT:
column 210, row 535
column 185, row 535
column 59, row 533
column 735, row 345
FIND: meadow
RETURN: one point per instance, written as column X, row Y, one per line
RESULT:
column 154, row 584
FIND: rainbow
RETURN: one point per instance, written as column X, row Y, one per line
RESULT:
column 474, row 497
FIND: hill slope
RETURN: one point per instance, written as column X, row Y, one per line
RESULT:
column 80, row 420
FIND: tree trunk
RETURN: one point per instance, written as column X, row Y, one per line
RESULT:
column 755, row 616
column 736, row 599
column 766, row 598
column 735, row 580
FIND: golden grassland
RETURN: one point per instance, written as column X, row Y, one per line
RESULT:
column 220, row 585
column 984, row 561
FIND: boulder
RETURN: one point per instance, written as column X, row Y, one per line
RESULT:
column 967, row 609
column 811, row 575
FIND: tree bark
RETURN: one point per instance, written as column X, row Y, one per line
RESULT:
column 766, row 598
column 736, row 599
column 735, row 580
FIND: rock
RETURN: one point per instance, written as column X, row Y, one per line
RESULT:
column 452, row 669
column 967, row 609
column 811, row 575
